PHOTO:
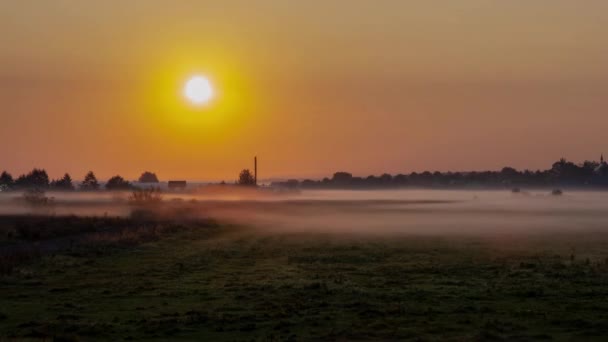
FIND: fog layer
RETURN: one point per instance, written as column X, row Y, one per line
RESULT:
column 363, row 212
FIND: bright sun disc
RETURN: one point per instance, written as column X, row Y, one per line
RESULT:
column 198, row 90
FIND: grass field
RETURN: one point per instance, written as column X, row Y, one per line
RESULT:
column 211, row 282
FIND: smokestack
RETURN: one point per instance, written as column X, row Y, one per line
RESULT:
column 255, row 170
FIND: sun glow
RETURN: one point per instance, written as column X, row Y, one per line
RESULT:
column 196, row 97
column 198, row 90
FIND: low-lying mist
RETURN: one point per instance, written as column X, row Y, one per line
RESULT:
column 359, row 212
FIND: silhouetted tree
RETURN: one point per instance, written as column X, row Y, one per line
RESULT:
column 148, row 177
column 562, row 172
column 370, row 181
column 568, row 173
column 342, row 177
column 386, row 180
column 246, row 178
column 309, row 183
column 590, row 166
column 6, row 181
column 35, row 179
column 118, row 183
column 63, row 184
column 400, row 179
column 90, row 182
column 292, row 184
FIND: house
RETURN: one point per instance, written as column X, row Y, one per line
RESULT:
column 176, row 185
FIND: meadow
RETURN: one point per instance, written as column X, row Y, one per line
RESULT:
column 423, row 266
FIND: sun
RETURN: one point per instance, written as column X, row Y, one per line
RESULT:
column 198, row 90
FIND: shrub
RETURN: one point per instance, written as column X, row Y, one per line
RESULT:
column 145, row 202
column 37, row 199
column 146, row 196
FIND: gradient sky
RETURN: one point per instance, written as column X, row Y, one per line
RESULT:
column 311, row 87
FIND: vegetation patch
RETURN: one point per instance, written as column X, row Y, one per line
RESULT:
column 227, row 283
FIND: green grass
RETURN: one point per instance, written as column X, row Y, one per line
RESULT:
column 236, row 284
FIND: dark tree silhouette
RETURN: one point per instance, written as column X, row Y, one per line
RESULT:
column 589, row 174
column 148, row 177
column 342, row 178
column 118, row 183
column 590, row 166
column 246, row 178
column 568, row 173
column 6, row 181
column 386, row 179
column 292, row 183
column 35, row 179
column 63, row 184
column 563, row 173
column 400, row 180
column 90, row 182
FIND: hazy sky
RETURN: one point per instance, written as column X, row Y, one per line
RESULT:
column 311, row 87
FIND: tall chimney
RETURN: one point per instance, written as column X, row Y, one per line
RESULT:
column 255, row 170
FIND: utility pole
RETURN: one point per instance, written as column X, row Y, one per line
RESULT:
column 255, row 170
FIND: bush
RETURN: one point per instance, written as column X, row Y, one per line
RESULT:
column 37, row 199
column 145, row 202
column 149, row 196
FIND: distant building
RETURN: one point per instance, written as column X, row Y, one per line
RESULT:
column 176, row 185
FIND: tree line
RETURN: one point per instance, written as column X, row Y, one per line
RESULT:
column 563, row 173
column 39, row 179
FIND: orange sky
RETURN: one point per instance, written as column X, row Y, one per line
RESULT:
column 310, row 87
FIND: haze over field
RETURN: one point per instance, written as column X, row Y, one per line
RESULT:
column 391, row 212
